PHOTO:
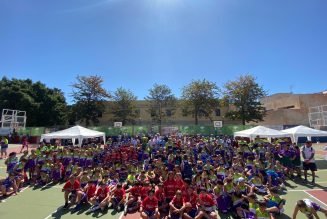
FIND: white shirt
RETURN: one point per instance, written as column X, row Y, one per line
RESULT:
column 308, row 151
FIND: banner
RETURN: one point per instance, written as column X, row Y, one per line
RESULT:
column 143, row 130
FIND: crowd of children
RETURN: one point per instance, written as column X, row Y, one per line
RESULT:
column 178, row 176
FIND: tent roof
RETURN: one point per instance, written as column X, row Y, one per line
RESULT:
column 260, row 131
column 304, row 131
column 74, row 132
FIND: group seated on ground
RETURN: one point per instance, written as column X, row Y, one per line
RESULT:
column 176, row 176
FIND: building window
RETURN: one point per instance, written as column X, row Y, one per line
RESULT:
column 168, row 113
column 217, row 112
column 99, row 114
column 184, row 112
column 153, row 113
column 137, row 112
column 287, row 107
column 202, row 113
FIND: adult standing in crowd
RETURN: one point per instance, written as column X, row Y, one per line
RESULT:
column 4, row 147
column 308, row 154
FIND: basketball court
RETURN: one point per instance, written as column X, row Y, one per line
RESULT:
column 46, row 202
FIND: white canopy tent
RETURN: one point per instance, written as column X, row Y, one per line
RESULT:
column 76, row 132
column 304, row 131
column 262, row 132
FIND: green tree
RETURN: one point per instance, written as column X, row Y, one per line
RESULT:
column 89, row 97
column 124, row 106
column 200, row 99
column 160, row 97
column 71, row 114
column 244, row 95
column 44, row 106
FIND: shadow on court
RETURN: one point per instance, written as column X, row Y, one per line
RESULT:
column 60, row 212
column 283, row 216
column 225, row 216
column 308, row 184
column 321, row 164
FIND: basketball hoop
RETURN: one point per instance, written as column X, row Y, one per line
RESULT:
column 318, row 116
column 13, row 119
column 118, row 124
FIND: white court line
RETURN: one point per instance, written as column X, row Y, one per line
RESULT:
column 51, row 214
column 11, row 196
column 121, row 216
column 303, row 190
column 316, row 198
column 47, row 186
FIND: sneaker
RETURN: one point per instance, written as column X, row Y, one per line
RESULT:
column 125, row 210
column 96, row 207
column 89, row 210
column 66, row 206
column 313, row 181
column 78, row 207
column 93, row 208
column 283, row 186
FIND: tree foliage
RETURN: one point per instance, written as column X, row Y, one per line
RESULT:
column 124, row 106
column 200, row 98
column 44, row 106
column 245, row 94
column 89, row 97
column 160, row 97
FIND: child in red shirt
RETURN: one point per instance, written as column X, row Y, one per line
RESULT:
column 72, row 186
column 160, row 195
column 190, row 200
column 133, row 198
column 149, row 207
column 118, row 198
column 169, row 187
column 86, row 195
column 207, row 205
column 101, row 198
column 179, row 181
column 177, row 206
column 145, row 190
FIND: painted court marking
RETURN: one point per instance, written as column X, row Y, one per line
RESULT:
column 312, row 196
column 120, row 217
column 51, row 214
column 303, row 190
column 23, row 189
column 291, row 190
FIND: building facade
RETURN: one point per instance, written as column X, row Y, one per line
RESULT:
column 173, row 116
column 287, row 109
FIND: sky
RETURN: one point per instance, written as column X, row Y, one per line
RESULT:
column 136, row 43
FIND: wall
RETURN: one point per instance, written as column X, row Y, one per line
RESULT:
column 280, row 113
